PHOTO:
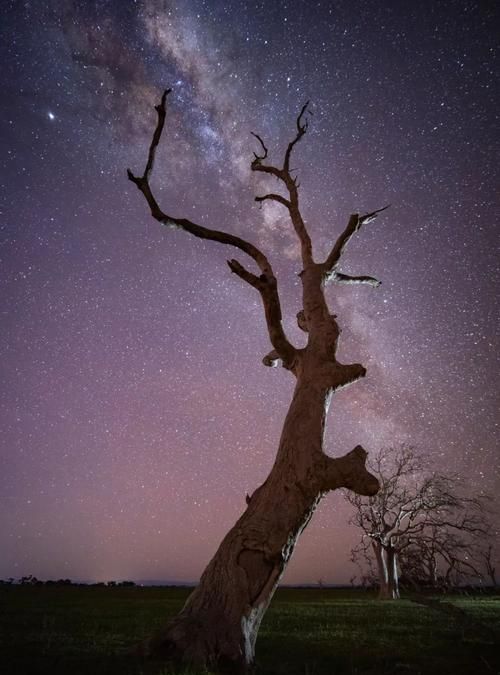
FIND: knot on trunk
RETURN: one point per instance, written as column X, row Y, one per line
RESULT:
column 342, row 375
column 350, row 472
column 272, row 359
column 301, row 321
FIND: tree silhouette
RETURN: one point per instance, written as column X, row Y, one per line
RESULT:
column 219, row 622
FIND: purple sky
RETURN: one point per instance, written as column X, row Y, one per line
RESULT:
column 135, row 411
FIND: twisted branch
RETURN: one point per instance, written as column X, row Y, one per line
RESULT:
column 266, row 284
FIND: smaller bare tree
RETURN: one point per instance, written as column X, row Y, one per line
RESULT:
column 418, row 524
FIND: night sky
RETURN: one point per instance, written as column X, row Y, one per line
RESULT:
column 135, row 411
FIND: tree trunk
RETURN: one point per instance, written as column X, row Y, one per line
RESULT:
column 220, row 620
column 386, row 558
column 383, row 575
column 392, row 566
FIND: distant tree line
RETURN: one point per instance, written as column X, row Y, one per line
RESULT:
column 31, row 580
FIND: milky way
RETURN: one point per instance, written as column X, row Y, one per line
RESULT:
column 135, row 410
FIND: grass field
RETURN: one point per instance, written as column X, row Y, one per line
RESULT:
column 88, row 630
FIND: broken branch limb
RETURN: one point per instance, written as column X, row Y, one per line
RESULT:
column 238, row 269
column 350, row 472
column 257, row 165
column 347, row 279
column 344, row 374
column 354, row 224
column 275, row 198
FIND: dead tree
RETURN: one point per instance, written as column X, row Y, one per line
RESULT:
column 220, row 620
column 418, row 525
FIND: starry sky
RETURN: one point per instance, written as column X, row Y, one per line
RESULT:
column 135, row 411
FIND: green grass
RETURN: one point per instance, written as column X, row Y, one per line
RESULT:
column 85, row 630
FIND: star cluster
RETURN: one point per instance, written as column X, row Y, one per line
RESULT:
column 135, row 410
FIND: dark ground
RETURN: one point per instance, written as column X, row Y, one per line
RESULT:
column 88, row 630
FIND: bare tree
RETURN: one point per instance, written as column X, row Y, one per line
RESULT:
column 220, row 620
column 418, row 524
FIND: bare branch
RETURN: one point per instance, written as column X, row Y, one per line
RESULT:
column 354, row 224
column 160, row 109
column 340, row 278
column 142, row 183
column 274, row 197
column 257, row 165
column 369, row 217
column 272, row 359
column 344, row 374
column 301, row 130
column 268, row 289
column 266, row 283
column 237, row 268
column 259, row 158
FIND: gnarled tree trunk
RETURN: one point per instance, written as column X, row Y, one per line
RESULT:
column 219, row 622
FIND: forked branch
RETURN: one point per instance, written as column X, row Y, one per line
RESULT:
column 283, row 174
column 330, row 265
column 142, row 183
column 266, row 283
column 354, row 224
